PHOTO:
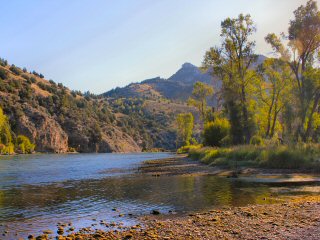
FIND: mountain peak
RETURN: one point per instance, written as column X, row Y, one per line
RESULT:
column 189, row 73
column 188, row 65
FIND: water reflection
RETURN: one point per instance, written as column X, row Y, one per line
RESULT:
column 33, row 207
column 178, row 193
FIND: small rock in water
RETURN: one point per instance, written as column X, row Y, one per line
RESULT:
column 47, row 231
column 128, row 236
column 60, row 231
column 155, row 212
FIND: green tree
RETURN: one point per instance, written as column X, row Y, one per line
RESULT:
column 273, row 87
column 231, row 62
column 185, row 122
column 24, row 145
column 214, row 132
column 200, row 93
column 299, row 49
column 3, row 73
column 5, row 130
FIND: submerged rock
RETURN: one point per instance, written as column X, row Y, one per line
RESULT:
column 155, row 212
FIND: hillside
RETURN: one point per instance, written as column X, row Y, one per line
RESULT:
column 138, row 117
column 56, row 118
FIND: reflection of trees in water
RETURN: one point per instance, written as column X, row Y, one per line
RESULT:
column 1, row 199
column 217, row 191
column 180, row 192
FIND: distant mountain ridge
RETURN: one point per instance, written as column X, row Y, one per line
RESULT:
column 177, row 87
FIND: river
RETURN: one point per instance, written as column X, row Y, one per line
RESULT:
column 38, row 191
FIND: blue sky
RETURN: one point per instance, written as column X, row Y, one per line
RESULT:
column 97, row 45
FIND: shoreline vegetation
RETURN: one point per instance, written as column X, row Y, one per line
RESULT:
column 303, row 157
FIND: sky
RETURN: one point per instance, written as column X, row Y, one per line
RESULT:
column 98, row 45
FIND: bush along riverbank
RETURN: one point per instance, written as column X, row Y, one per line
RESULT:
column 300, row 156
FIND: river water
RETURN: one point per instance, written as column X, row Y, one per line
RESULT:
column 38, row 191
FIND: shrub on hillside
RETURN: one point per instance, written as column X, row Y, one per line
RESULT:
column 3, row 74
column 33, row 80
column 23, row 144
column 15, row 70
column 3, row 62
column 7, row 149
column 214, row 132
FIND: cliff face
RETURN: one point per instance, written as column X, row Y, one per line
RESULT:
column 43, row 130
column 115, row 140
column 106, row 139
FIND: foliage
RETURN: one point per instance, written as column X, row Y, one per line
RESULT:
column 3, row 74
column 273, row 87
column 3, row 62
column 231, row 62
column 200, row 93
column 5, row 131
column 15, row 69
column 299, row 49
column 23, row 144
column 302, row 156
column 7, row 149
column 185, row 122
column 188, row 148
column 214, row 132
column 256, row 140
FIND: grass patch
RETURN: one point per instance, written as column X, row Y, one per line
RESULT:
column 299, row 156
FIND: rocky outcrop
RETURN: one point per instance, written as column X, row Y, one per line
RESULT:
column 110, row 139
column 43, row 130
column 114, row 140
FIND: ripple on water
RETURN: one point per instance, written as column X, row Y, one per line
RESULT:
column 81, row 188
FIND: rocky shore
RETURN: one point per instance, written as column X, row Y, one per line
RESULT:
column 295, row 218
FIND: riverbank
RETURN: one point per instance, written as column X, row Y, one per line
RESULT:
column 294, row 218
column 183, row 165
column 289, row 217
column 300, row 157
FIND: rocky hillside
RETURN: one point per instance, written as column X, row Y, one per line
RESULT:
column 56, row 118
column 138, row 117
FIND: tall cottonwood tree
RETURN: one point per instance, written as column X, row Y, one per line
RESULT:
column 200, row 93
column 299, row 49
column 273, row 88
column 185, row 122
column 231, row 62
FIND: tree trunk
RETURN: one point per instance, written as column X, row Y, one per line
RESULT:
column 310, row 122
column 246, row 129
